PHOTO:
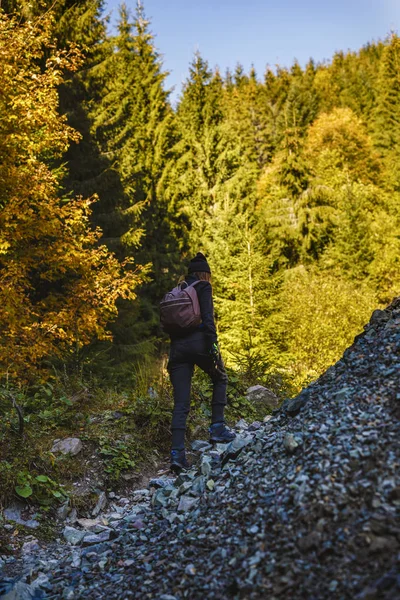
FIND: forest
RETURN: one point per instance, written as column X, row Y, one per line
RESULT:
column 287, row 180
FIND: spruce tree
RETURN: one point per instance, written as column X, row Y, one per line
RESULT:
column 387, row 111
column 133, row 129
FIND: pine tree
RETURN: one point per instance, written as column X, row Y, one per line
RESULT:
column 387, row 111
column 198, row 167
column 133, row 127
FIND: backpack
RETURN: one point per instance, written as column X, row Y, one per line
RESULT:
column 180, row 308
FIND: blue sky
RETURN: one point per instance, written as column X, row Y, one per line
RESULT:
column 260, row 32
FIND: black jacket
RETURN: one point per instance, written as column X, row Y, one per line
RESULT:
column 204, row 294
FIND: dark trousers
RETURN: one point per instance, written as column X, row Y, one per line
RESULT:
column 185, row 353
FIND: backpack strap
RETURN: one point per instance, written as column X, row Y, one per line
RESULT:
column 189, row 285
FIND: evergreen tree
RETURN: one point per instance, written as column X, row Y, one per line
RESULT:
column 133, row 126
column 201, row 158
column 387, row 111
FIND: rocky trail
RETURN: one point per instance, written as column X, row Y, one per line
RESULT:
column 304, row 505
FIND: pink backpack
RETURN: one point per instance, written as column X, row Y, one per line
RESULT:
column 180, row 308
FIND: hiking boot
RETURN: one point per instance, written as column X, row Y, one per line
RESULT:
column 178, row 461
column 221, row 434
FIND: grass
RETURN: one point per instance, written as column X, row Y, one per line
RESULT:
column 122, row 430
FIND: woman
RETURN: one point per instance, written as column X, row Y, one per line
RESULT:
column 197, row 346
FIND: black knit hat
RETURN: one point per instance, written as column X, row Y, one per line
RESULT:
column 199, row 264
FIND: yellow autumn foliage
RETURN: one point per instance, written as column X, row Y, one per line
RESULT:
column 58, row 286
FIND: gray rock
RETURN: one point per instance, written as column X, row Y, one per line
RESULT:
column 76, row 560
column 115, row 516
column 22, row 591
column 63, row 511
column 201, row 445
column 143, row 492
column 206, row 465
column 292, row 407
column 101, row 504
column 73, row 536
column 133, row 514
column 30, row 547
column 91, row 524
column 190, row 569
column 168, row 490
column 186, row 503
column 41, row 581
column 290, row 443
column 255, row 426
column 185, row 486
column 160, row 482
column 234, row 448
column 261, row 394
column 67, row 446
column 343, row 394
column 72, row 516
column 159, row 498
column 242, row 424
column 93, row 538
column 101, row 548
column 379, row 316
column 198, row 486
column 13, row 513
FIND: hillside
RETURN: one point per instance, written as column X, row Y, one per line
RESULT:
column 303, row 505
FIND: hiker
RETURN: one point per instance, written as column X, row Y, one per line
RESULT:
column 197, row 345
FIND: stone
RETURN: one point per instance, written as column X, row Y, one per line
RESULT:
column 201, row 446
column 186, row 503
column 31, row 546
column 72, row 516
column 290, row 442
column 97, row 538
column 293, row 407
column 234, row 448
column 242, row 424
column 185, row 486
column 261, row 394
column 90, row 524
column 67, row 446
column 100, row 505
column 198, row 486
column 379, row 316
column 343, row 394
column 160, row 482
column 190, row 569
column 73, row 536
column 254, row 426
column 115, row 516
column 144, row 492
column 159, row 499
column 206, row 465
column 21, row 591
column 63, row 511
column 14, row 513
